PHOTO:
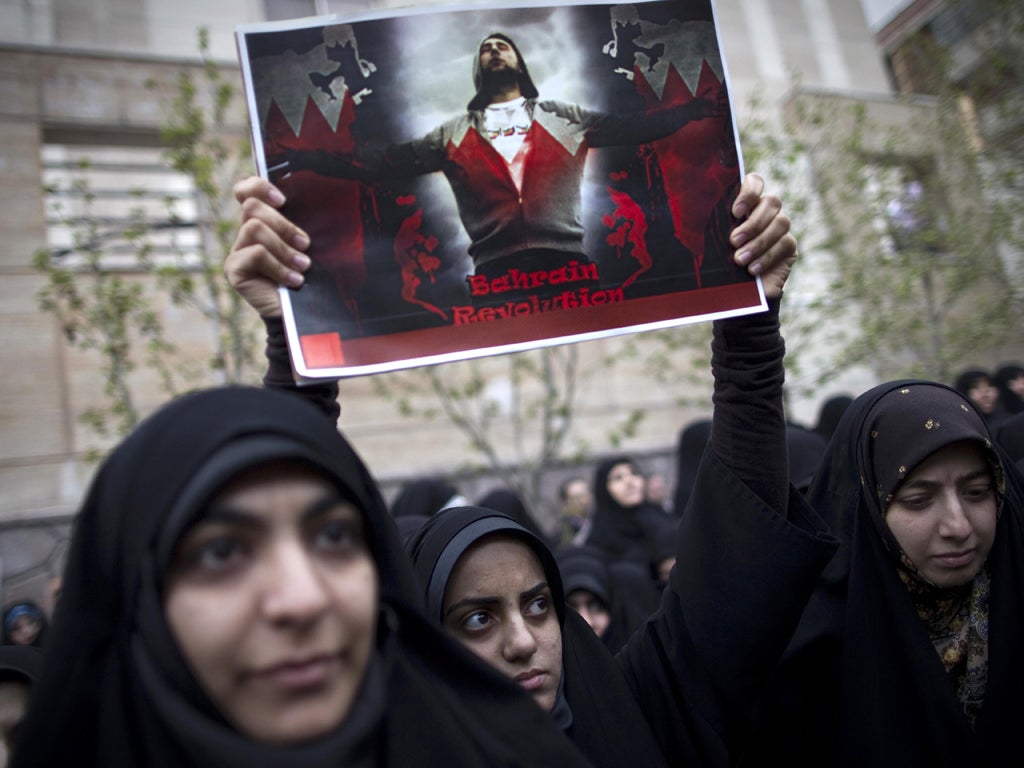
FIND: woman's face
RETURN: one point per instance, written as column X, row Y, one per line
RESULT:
column 272, row 598
column 625, row 485
column 984, row 395
column 944, row 514
column 591, row 608
column 498, row 604
column 25, row 630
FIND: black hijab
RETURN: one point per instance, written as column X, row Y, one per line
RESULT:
column 805, row 449
column 861, row 683
column 511, row 503
column 624, row 532
column 831, row 413
column 117, row 690
column 424, row 497
column 595, row 705
column 22, row 663
column 1012, row 402
column 692, row 442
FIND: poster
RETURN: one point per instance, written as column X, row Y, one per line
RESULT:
column 487, row 179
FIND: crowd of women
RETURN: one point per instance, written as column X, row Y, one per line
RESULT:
column 237, row 592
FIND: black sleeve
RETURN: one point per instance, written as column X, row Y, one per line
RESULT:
column 748, row 431
column 748, row 553
column 279, row 373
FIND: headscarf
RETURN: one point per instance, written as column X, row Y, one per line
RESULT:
column 512, row 504
column 831, row 412
column 24, row 608
column 805, row 449
column 116, row 688
column 20, row 662
column 595, row 704
column 861, row 683
column 1012, row 402
column 692, row 442
column 424, row 497
column 627, row 589
column 624, row 532
column 585, row 568
column 526, row 86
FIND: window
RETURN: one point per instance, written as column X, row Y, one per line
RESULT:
column 909, row 209
column 100, row 198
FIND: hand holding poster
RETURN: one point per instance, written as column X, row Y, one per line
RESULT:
column 485, row 180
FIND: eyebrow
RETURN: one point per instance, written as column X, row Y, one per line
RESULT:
column 232, row 515
column 481, row 602
column 970, row 477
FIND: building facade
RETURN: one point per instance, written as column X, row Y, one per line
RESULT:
column 91, row 77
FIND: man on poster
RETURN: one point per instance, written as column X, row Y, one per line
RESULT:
column 515, row 164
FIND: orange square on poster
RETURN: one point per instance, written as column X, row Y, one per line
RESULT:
column 322, row 350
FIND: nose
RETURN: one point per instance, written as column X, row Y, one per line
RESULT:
column 295, row 592
column 955, row 524
column 518, row 642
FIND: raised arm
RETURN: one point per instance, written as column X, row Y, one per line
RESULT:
column 749, row 549
column 267, row 253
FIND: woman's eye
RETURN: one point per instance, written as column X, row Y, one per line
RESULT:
column 914, row 502
column 978, row 492
column 337, row 535
column 476, row 622
column 218, row 553
column 537, row 606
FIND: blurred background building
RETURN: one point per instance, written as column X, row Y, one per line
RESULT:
column 85, row 90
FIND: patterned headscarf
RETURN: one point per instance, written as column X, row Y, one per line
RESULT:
column 904, row 428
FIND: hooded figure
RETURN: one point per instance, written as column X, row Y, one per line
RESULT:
column 24, row 623
column 1008, row 379
column 627, row 590
column 891, row 664
column 690, row 446
column 593, row 705
column 118, row 684
column 625, row 527
column 483, row 96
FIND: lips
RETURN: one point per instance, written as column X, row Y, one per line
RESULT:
column 532, row 680
column 301, row 674
column 956, row 559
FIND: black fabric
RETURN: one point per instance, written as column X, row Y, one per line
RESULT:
column 625, row 588
column 805, row 448
column 20, row 662
column 693, row 440
column 512, row 504
column 423, row 497
column 624, row 532
column 585, row 568
column 606, row 724
column 1011, row 402
column 697, row 667
column 749, row 430
column 829, row 415
column 861, row 683
column 1010, row 437
column 279, row 374
column 116, row 689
